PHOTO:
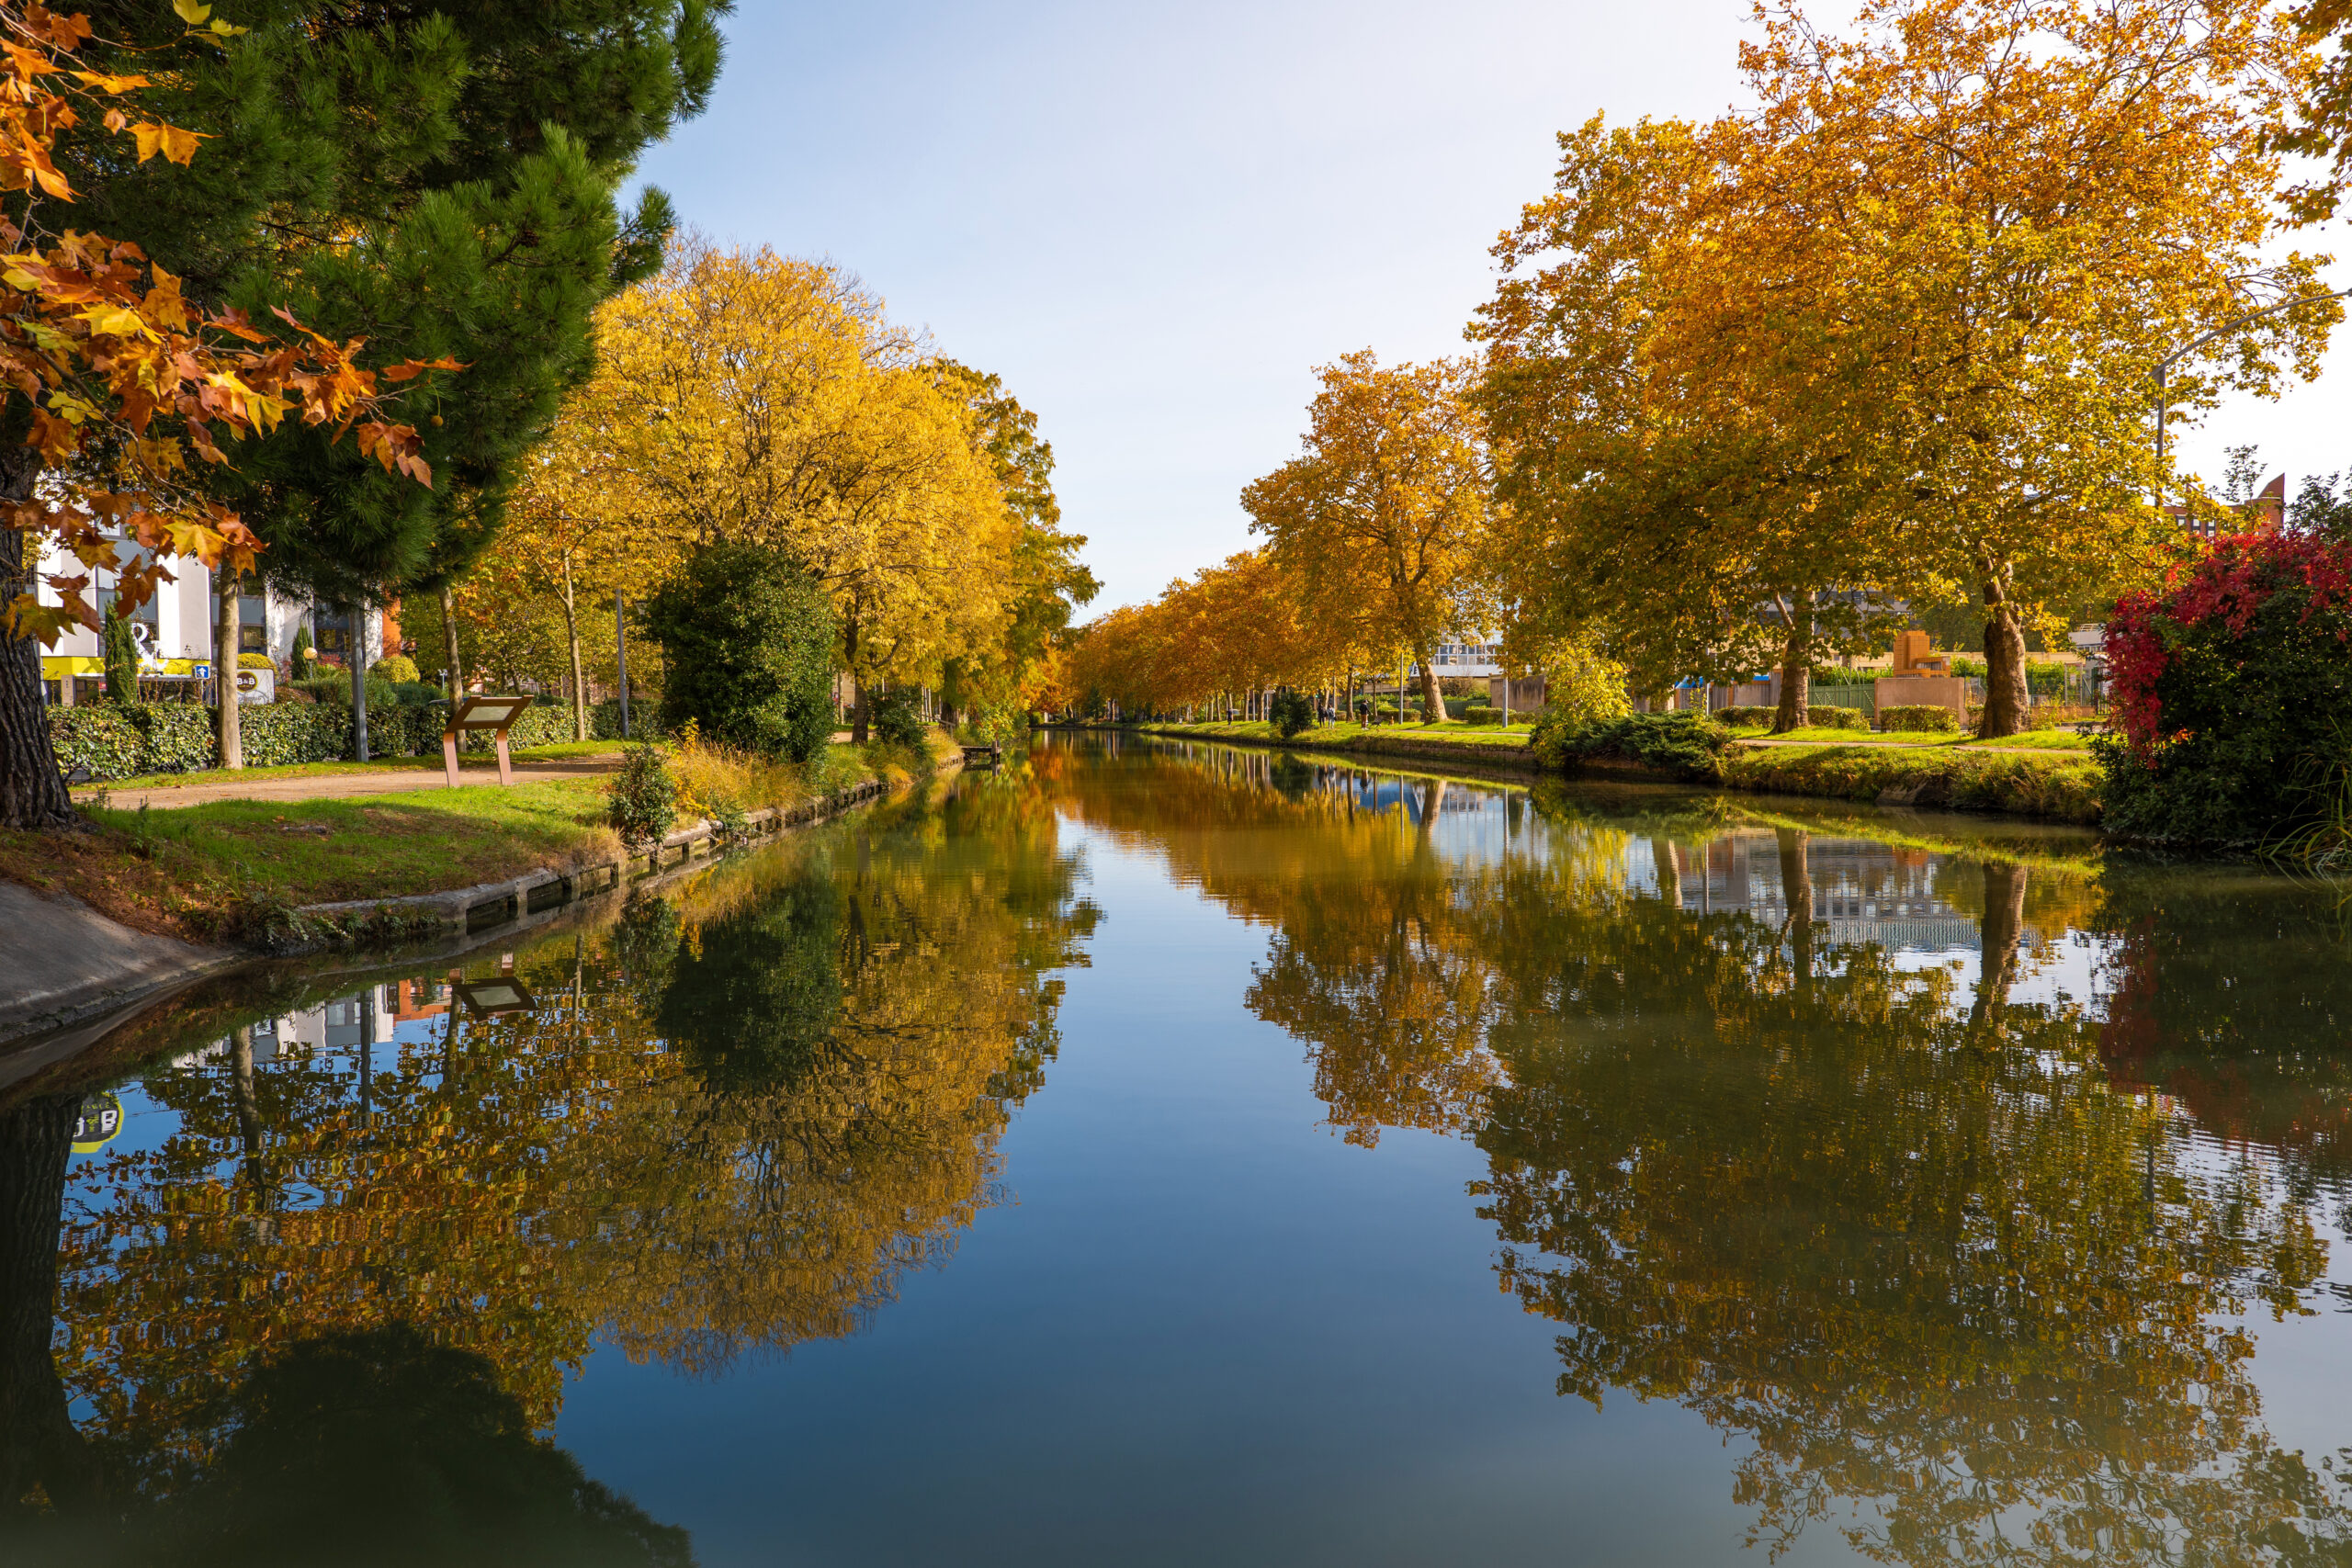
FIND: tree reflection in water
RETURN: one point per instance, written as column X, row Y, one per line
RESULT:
column 734, row 1119
column 1967, row 1295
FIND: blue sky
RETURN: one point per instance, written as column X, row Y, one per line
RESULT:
column 1155, row 221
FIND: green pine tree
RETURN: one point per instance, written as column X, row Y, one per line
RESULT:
column 441, row 181
column 120, row 651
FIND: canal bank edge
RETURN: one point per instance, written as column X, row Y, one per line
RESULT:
column 67, row 963
column 2048, row 789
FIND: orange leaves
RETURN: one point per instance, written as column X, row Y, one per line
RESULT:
column 177, row 145
column 398, row 447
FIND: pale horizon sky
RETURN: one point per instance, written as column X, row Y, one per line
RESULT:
column 1156, row 222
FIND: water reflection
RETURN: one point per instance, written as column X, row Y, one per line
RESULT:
column 727, row 1122
column 1956, row 1184
column 1963, row 1290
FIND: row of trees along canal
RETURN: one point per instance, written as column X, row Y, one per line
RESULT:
column 1750, row 389
column 397, row 341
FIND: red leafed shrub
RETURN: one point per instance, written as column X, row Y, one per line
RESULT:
column 2233, row 689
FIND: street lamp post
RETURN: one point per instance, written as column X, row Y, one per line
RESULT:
column 2164, row 364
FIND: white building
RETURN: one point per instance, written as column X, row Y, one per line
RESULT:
column 174, row 629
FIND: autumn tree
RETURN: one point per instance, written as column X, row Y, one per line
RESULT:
column 1049, row 582
column 1684, row 482
column 1380, row 521
column 2026, row 231
column 770, row 402
column 2323, row 126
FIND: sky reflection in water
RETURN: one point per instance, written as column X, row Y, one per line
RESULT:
column 1151, row 1155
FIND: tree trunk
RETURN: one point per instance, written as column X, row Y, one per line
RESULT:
column 449, row 642
column 859, row 728
column 32, row 791
column 1433, row 704
column 38, row 1445
column 2007, row 709
column 1998, row 933
column 1796, row 666
column 1669, row 872
column 229, row 720
column 1796, row 891
column 571, row 639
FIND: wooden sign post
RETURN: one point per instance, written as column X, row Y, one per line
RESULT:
column 497, row 714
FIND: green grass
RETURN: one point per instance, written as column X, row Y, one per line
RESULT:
column 467, row 762
column 316, row 851
column 2032, row 741
column 2059, row 787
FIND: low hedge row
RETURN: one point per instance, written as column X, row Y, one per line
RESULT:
column 1918, row 718
column 1820, row 716
column 1686, row 745
column 114, row 743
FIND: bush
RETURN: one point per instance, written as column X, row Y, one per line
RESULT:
column 1742, row 715
column 2232, row 692
column 396, row 668
column 301, row 653
column 1482, row 716
column 255, row 661
column 747, row 639
column 291, row 693
column 1688, row 745
column 1291, row 712
column 1917, row 719
column 895, row 718
column 1826, row 715
column 642, row 804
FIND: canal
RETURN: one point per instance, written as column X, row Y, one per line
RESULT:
column 1165, row 1155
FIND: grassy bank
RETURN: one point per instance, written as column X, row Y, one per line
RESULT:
column 216, row 872
column 2045, row 777
column 2059, row 787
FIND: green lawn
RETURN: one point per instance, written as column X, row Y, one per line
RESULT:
column 467, row 762
column 2032, row 741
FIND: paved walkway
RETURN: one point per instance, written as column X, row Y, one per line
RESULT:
column 340, row 786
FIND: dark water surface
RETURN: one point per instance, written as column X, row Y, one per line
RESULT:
column 1159, row 1156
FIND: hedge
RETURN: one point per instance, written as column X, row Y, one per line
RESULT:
column 176, row 738
column 1917, row 717
column 1821, row 715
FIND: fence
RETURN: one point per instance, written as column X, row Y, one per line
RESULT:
column 112, row 742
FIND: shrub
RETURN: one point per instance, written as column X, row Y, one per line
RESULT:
column 255, row 661
column 1688, row 745
column 747, row 640
column 1291, row 712
column 1740, row 714
column 396, row 668
column 121, row 651
column 2233, row 691
column 1482, row 716
column 302, row 653
column 291, row 693
column 1826, row 716
column 642, row 800
column 1917, row 719
column 895, row 718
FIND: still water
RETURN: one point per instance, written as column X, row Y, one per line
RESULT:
column 1164, row 1156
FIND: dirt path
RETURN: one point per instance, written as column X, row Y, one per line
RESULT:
column 338, row 786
